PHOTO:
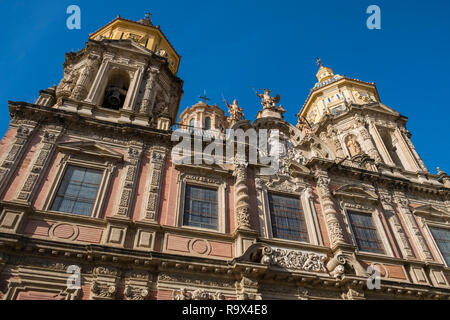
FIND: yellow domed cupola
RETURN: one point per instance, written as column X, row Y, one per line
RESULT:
column 324, row 74
column 144, row 33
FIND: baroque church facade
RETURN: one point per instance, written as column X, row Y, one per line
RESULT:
column 88, row 184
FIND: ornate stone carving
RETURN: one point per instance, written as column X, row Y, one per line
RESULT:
column 326, row 199
column 353, row 145
column 23, row 135
column 242, row 206
column 236, row 113
column 150, row 91
column 391, row 215
column 46, row 150
column 403, row 205
column 134, row 293
column 134, row 155
column 198, row 294
column 80, row 91
column 292, row 259
column 102, row 290
column 156, row 171
column 193, row 280
column 298, row 260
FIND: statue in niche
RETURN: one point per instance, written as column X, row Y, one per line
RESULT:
column 236, row 113
column 353, row 146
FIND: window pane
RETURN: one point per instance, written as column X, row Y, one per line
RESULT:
column 207, row 123
column 200, row 209
column 365, row 232
column 442, row 238
column 78, row 191
column 288, row 221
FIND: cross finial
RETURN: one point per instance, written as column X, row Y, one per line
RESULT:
column 148, row 16
column 204, row 98
column 319, row 62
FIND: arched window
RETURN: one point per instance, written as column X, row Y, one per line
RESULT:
column 207, row 123
column 116, row 90
column 191, row 125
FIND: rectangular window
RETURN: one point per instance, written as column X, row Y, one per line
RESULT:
column 288, row 221
column 442, row 238
column 78, row 191
column 365, row 232
column 200, row 208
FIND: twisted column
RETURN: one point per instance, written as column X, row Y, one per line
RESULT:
column 242, row 207
column 326, row 200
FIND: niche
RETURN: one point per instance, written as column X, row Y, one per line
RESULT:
column 116, row 90
column 391, row 147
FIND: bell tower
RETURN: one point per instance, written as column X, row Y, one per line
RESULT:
column 126, row 74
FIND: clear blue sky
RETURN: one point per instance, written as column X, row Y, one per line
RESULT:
column 230, row 46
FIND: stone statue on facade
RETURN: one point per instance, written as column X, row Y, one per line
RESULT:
column 353, row 146
column 267, row 101
column 67, row 83
column 236, row 113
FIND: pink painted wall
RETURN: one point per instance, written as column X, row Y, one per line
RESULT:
column 139, row 207
column 6, row 141
column 169, row 195
column 23, row 168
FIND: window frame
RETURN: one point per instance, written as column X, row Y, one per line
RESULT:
column 99, row 202
column 102, row 173
column 204, row 182
column 427, row 224
column 309, row 213
column 297, row 197
column 190, row 185
column 374, row 226
column 375, row 215
column 438, row 249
